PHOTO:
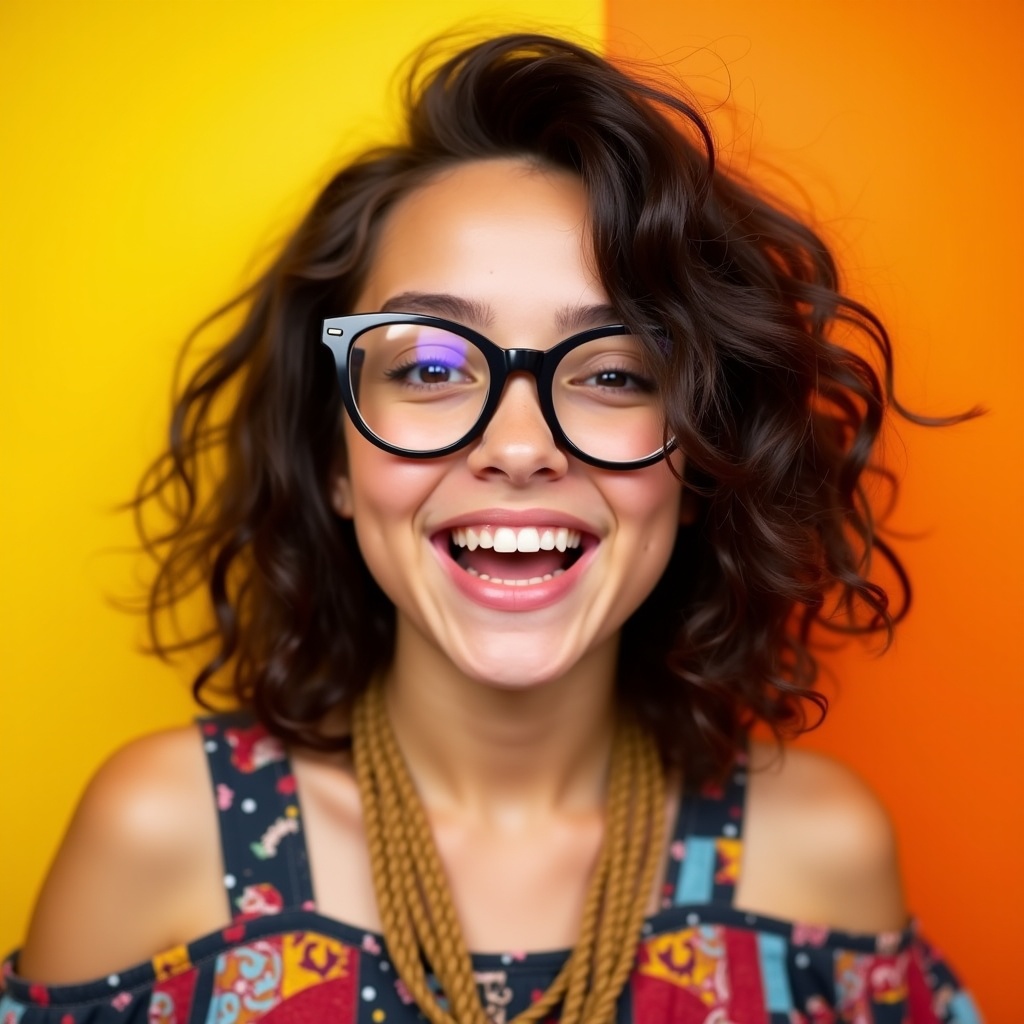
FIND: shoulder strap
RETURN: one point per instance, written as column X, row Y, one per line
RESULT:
column 707, row 849
column 266, row 864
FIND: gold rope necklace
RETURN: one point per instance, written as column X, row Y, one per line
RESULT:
column 416, row 909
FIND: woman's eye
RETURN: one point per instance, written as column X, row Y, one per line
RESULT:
column 612, row 379
column 435, row 373
column 619, row 380
column 429, row 373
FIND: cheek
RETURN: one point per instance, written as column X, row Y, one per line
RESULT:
column 651, row 505
column 647, row 506
column 385, row 495
column 379, row 484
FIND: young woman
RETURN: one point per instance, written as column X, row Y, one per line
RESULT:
column 541, row 461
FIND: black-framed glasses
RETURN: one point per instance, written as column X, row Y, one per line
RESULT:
column 423, row 387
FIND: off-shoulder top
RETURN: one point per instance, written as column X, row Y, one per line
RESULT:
column 701, row 961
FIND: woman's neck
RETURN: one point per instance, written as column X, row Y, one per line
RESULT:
column 502, row 755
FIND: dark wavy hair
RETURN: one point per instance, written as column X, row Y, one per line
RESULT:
column 771, row 388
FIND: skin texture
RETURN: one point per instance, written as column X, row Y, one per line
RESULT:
column 514, row 243
column 505, row 718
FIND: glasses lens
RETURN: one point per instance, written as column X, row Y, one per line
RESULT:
column 417, row 387
column 607, row 401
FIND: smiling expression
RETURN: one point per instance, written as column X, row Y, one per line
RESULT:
column 509, row 561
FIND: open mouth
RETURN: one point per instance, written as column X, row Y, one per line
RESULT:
column 516, row 557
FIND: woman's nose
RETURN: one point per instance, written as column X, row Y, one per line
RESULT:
column 517, row 442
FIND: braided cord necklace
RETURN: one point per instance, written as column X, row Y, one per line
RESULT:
column 418, row 915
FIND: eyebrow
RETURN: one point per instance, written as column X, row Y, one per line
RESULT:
column 451, row 307
column 479, row 314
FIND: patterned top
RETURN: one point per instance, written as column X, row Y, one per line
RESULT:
column 701, row 961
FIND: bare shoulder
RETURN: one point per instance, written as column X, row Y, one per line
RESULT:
column 820, row 847
column 137, row 871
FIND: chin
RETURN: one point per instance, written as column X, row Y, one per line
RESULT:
column 511, row 674
column 516, row 662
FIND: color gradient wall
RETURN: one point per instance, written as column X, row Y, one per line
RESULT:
column 150, row 154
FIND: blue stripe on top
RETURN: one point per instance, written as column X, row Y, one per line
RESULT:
column 697, row 872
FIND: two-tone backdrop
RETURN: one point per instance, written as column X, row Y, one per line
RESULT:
column 150, row 153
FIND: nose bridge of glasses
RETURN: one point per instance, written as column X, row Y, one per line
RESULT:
column 524, row 360
column 520, row 363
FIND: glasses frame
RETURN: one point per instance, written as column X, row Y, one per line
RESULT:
column 340, row 333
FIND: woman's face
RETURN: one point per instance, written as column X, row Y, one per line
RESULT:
column 503, row 246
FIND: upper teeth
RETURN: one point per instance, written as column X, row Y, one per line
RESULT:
column 507, row 539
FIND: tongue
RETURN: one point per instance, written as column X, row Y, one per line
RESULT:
column 516, row 565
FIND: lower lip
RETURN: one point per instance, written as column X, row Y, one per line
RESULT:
column 527, row 598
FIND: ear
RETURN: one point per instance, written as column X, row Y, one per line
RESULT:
column 341, row 496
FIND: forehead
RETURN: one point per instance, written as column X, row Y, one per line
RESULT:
column 506, row 234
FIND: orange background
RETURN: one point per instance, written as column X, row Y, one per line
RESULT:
column 902, row 121
column 147, row 150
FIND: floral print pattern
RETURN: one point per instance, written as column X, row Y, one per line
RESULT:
column 701, row 961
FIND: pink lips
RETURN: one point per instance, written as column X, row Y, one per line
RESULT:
column 500, row 596
column 510, row 517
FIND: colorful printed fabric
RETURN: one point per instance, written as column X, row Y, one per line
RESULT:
column 702, row 961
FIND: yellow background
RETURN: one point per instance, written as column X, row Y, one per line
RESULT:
column 151, row 152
